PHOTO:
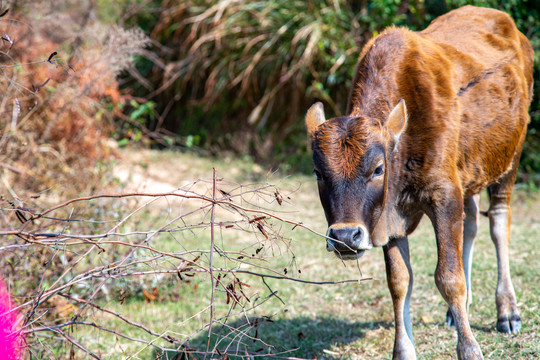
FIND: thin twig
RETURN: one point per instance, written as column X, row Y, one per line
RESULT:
column 211, row 268
column 121, row 317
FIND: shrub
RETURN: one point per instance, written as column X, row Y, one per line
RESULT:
column 240, row 75
column 59, row 71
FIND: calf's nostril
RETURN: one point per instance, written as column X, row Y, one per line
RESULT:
column 331, row 234
column 357, row 236
column 345, row 239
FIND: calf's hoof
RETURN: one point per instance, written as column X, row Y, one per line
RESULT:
column 469, row 351
column 510, row 325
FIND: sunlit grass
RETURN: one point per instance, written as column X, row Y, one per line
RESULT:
column 343, row 321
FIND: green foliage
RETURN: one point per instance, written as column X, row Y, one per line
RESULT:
column 142, row 111
column 240, row 75
column 131, row 129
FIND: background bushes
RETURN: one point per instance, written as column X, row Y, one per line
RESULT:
column 239, row 75
column 215, row 76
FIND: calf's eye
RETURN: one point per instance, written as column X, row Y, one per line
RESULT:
column 378, row 171
column 317, row 174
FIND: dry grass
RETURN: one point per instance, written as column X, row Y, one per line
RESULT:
column 231, row 67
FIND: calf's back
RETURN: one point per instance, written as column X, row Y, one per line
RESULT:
column 467, row 83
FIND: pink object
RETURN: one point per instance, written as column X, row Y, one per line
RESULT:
column 11, row 339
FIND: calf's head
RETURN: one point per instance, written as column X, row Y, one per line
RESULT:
column 350, row 158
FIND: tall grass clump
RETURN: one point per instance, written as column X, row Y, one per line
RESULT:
column 238, row 74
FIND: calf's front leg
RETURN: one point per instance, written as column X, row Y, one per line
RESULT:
column 447, row 216
column 470, row 228
column 400, row 282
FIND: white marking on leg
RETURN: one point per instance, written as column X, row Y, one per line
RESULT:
column 500, row 234
column 407, row 315
column 405, row 344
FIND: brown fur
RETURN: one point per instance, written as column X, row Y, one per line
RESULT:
column 467, row 84
column 341, row 142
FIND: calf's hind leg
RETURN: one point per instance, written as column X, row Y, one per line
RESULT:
column 508, row 320
column 446, row 217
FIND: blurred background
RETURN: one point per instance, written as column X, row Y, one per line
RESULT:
column 112, row 97
column 220, row 78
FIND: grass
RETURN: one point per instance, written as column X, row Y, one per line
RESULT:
column 344, row 321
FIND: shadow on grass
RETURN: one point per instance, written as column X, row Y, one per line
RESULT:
column 304, row 338
column 485, row 329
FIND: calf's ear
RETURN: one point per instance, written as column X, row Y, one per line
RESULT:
column 397, row 121
column 314, row 118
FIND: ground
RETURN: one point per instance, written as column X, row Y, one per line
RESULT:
column 335, row 321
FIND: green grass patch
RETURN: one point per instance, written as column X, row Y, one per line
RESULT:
column 292, row 319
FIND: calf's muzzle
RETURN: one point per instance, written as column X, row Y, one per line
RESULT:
column 348, row 242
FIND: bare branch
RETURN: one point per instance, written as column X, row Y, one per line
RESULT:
column 83, row 256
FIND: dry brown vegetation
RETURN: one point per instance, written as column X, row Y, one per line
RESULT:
column 59, row 72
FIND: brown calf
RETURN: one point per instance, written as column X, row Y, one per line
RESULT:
column 462, row 88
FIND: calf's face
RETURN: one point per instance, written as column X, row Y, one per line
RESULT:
column 350, row 158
